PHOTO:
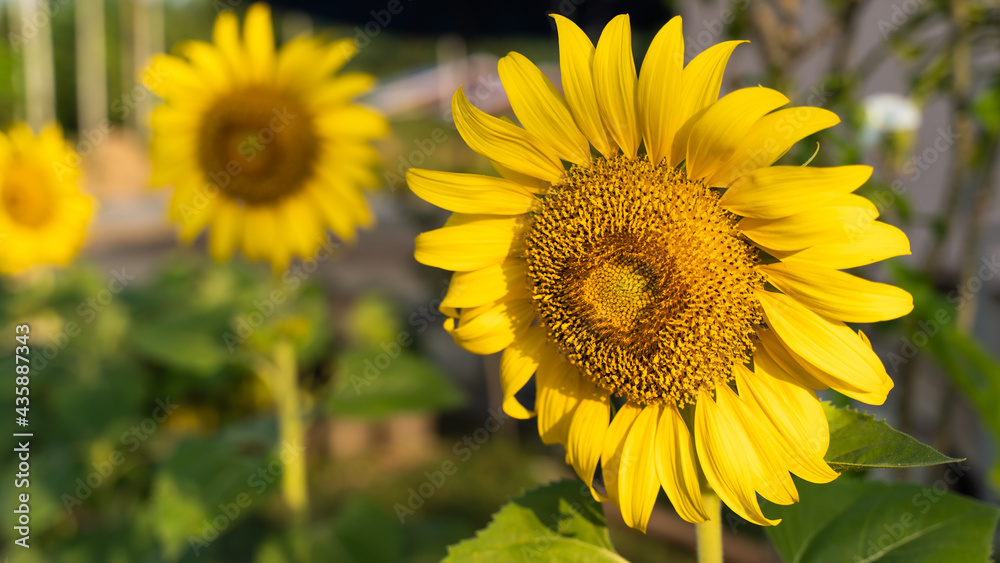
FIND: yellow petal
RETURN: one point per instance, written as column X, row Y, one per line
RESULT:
column 769, row 468
column 660, row 90
column 517, row 364
column 576, row 58
column 615, row 82
column 174, row 79
column 469, row 246
column 226, row 36
column 776, row 358
column 541, row 109
column 701, row 80
column 841, row 358
column 637, row 480
column 470, row 193
column 716, row 134
column 342, row 89
column 614, row 442
column 770, row 138
column 877, row 242
column 227, row 230
column 841, row 219
column 587, row 432
column 796, row 419
column 504, row 142
column 726, row 457
column 558, row 385
column 478, row 287
column 839, row 295
column 206, row 58
column 332, row 211
column 781, row 191
column 532, row 184
column 258, row 38
column 490, row 328
column 352, row 121
column 676, row 465
column 196, row 209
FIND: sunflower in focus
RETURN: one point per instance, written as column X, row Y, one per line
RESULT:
column 44, row 215
column 265, row 148
column 675, row 299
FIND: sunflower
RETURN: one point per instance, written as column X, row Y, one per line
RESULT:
column 265, row 148
column 44, row 215
column 676, row 307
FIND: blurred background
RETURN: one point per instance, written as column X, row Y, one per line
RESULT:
column 155, row 440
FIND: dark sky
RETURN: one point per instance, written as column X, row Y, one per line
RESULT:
column 472, row 18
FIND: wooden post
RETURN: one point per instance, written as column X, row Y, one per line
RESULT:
column 91, row 66
column 147, row 40
column 32, row 27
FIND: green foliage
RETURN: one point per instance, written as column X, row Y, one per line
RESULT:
column 850, row 520
column 557, row 522
column 156, row 429
column 859, row 441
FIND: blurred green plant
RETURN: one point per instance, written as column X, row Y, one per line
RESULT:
column 154, row 437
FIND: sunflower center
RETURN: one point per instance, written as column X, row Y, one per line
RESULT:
column 258, row 144
column 643, row 280
column 27, row 196
column 618, row 291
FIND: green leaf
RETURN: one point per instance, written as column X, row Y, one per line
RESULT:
column 557, row 522
column 184, row 345
column 859, row 441
column 851, row 520
column 377, row 382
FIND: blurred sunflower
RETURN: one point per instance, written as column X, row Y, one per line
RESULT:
column 44, row 216
column 263, row 147
column 676, row 306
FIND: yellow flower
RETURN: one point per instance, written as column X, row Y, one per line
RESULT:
column 264, row 147
column 690, row 289
column 44, row 216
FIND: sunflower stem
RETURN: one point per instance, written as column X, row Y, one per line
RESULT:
column 709, row 532
column 291, row 441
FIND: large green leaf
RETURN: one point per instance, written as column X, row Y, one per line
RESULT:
column 557, row 522
column 859, row 441
column 851, row 520
column 378, row 382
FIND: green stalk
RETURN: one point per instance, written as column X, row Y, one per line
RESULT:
column 291, row 443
